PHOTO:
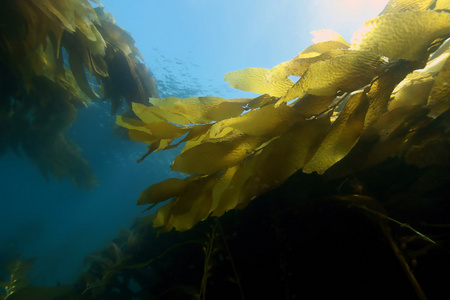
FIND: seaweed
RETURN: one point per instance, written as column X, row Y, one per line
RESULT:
column 57, row 57
column 355, row 105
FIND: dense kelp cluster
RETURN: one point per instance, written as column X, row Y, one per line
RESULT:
column 385, row 94
column 57, row 57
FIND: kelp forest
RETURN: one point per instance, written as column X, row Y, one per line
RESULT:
column 333, row 182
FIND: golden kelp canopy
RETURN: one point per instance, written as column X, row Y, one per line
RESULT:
column 354, row 106
column 57, row 56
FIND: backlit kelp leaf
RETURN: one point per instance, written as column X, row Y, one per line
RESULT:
column 258, row 80
column 150, row 114
column 438, row 100
column 162, row 191
column 275, row 81
column 381, row 88
column 199, row 110
column 312, row 105
column 189, row 208
column 413, row 90
column 260, row 101
column 344, row 73
column 327, row 35
column 405, row 35
column 220, row 204
column 343, row 135
column 265, row 121
column 215, row 155
column 396, row 6
column 279, row 159
column 442, row 4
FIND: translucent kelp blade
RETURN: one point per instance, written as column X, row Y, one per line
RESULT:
column 396, row 6
column 197, row 110
column 258, row 80
column 439, row 98
column 345, row 73
column 266, row 121
column 150, row 114
column 220, row 204
column 279, row 159
column 343, row 135
column 413, row 90
column 189, row 208
column 298, row 65
column 217, row 155
column 442, row 5
column 327, row 35
column 162, row 191
column 405, row 35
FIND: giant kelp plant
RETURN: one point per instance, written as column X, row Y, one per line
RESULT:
column 344, row 176
column 57, row 57
column 385, row 94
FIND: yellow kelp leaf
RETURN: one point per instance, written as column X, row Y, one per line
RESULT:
column 396, row 6
column 198, row 110
column 311, row 105
column 150, row 114
column 215, row 155
column 151, row 132
column 326, row 35
column 131, row 124
column 220, row 204
column 265, row 121
column 260, row 101
column 189, row 208
column 344, row 73
column 343, row 135
column 298, row 65
column 413, row 90
column 442, row 4
column 258, row 80
column 380, row 90
column 405, row 35
column 162, row 191
column 278, row 160
column 439, row 98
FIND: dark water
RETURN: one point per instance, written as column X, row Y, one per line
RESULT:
column 59, row 224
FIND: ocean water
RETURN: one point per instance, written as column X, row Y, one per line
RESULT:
column 188, row 45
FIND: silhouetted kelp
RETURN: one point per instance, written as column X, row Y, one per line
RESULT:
column 56, row 57
column 349, row 165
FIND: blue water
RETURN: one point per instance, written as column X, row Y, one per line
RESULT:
column 188, row 45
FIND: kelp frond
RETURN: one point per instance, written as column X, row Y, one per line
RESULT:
column 355, row 105
column 56, row 57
